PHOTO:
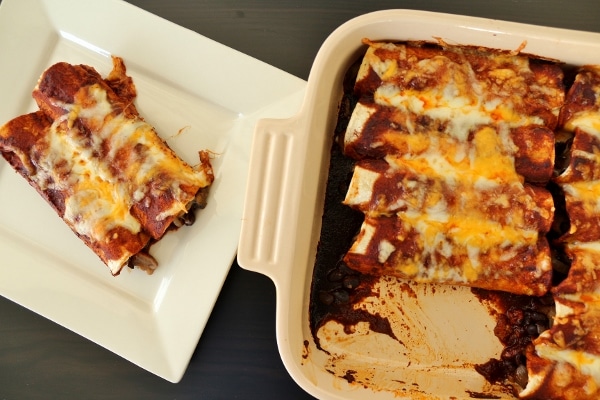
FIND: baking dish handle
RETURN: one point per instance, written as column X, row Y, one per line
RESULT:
column 271, row 203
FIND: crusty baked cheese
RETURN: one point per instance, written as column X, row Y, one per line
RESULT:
column 449, row 140
column 105, row 170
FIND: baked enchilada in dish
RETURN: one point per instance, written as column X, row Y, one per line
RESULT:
column 454, row 145
column 564, row 362
column 464, row 166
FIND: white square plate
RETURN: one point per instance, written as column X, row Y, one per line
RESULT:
column 198, row 94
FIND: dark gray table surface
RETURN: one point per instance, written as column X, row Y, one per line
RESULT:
column 41, row 360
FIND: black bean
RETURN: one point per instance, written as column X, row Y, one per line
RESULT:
column 539, row 316
column 521, row 358
column 189, row 218
column 143, row 261
column 326, row 298
column 201, row 198
column 521, row 377
column 351, row 282
column 335, row 275
column 341, row 296
column 532, row 330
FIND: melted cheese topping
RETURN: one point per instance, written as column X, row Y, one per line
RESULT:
column 588, row 364
column 588, row 121
column 458, row 96
column 586, row 192
column 482, row 160
column 450, row 126
column 442, row 234
column 484, row 175
column 123, row 162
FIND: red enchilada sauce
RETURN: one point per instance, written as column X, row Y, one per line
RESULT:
column 336, row 287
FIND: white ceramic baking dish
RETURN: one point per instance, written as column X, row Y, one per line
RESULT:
column 448, row 330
